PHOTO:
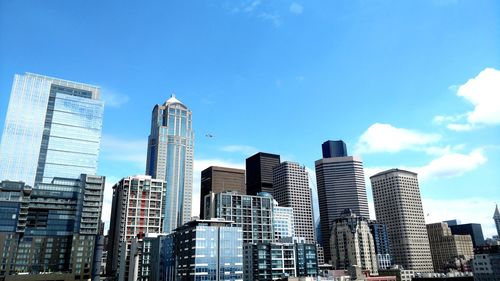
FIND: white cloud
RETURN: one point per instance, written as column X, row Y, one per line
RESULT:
column 483, row 92
column 242, row 149
column 467, row 210
column 252, row 6
column 113, row 98
column 445, row 166
column 124, row 150
column 296, row 8
column 200, row 165
column 275, row 19
column 387, row 138
column 452, row 165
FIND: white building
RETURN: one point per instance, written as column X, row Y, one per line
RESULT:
column 283, row 221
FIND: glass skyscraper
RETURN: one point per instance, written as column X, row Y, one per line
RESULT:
column 52, row 129
column 170, row 158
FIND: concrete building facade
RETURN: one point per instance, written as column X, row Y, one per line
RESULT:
column 352, row 243
column 254, row 214
column 137, row 209
column 398, row 205
column 291, row 189
column 445, row 246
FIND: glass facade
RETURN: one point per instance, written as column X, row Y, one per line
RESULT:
column 204, row 250
column 52, row 129
column 170, row 158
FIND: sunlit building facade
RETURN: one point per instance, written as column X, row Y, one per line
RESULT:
column 170, row 158
column 52, row 129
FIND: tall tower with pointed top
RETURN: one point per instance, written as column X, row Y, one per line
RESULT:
column 496, row 217
column 170, row 158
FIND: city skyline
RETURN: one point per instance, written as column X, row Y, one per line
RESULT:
column 430, row 102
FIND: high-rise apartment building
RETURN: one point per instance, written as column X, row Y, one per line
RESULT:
column 352, row 243
column 259, row 168
column 170, row 159
column 254, row 214
column 275, row 260
column 496, row 217
column 382, row 246
column 137, row 208
column 218, row 179
column 341, row 185
column 291, row 189
column 203, row 250
column 57, row 228
column 52, row 129
column 398, row 205
column 446, row 247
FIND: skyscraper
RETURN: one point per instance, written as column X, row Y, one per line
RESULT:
column 217, row 179
column 341, row 185
column 399, row 206
column 352, row 243
column 137, row 209
column 334, row 149
column 259, row 168
column 170, row 158
column 52, row 129
column 496, row 217
column 291, row 189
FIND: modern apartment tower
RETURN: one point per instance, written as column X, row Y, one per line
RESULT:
column 203, row 250
column 217, row 179
column 398, row 205
column 137, row 209
column 446, row 247
column 496, row 217
column 291, row 189
column 382, row 246
column 283, row 222
column 170, row 159
column 259, row 168
column 254, row 214
column 352, row 243
column 52, row 129
column 341, row 185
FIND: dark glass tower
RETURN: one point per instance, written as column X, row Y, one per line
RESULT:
column 473, row 229
column 260, row 172
column 334, row 149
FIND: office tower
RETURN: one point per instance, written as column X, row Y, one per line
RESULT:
column 170, row 159
column 496, row 217
column 61, row 228
column 291, row 189
column 446, row 247
column 341, row 185
column 275, row 260
column 137, row 209
column 254, row 214
column 352, row 243
column 217, row 179
column 452, row 222
column 283, row 223
column 52, row 129
column 204, row 250
column 473, row 229
column 486, row 263
column 259, row 168
column 398, row 205
column 334, row 149
column 381, row 241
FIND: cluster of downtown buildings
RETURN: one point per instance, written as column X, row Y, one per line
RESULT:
column 254, row 224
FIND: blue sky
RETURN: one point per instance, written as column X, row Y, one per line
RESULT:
column 411, row 84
